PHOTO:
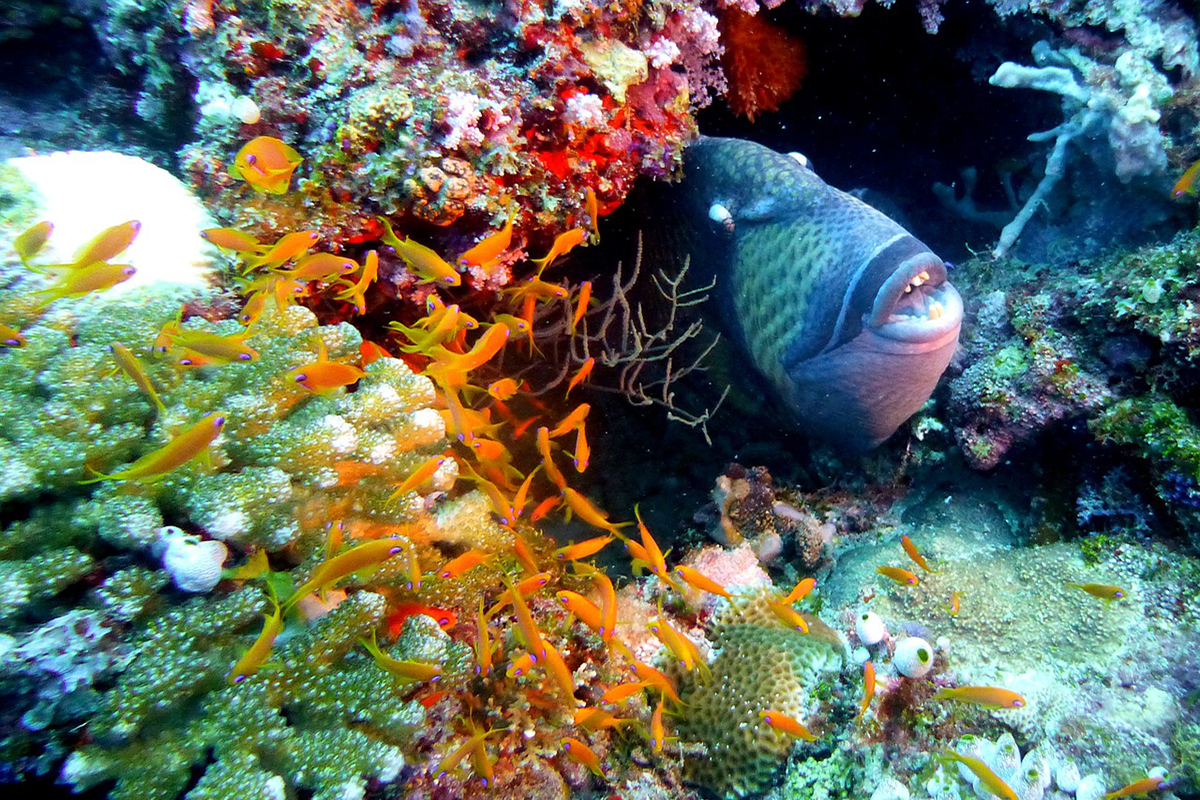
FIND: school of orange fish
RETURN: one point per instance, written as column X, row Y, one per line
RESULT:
column 285, row 271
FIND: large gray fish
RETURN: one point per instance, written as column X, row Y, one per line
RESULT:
column 846, row 313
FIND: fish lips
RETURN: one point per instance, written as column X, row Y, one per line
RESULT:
column 904, row 318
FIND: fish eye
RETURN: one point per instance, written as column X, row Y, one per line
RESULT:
column 392, row 551
column 218, row 422
column 251, row 159
column 445, row 574
column 435, row 679
column 129, row 271
column 239, row 679
column 1018, row 704
column 301, row 378
column 185, row 362
column 243, row 356
column 444, row 621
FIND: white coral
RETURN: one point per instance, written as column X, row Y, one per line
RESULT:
column 194, row 564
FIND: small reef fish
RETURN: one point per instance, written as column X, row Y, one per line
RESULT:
column 10, row 337
column 658, row 731
column 444, row 617
column 131, row 365
column 267, row 164
column 424, row 261
column 521, row 665
column 584, row 609
column 232, row 239
column 468, row 560
column 222, row 349
column 785, row 724
column 256, row 566
column 622, row 692
column 417, row 671
column 108, row 243
column 597, row 719
column 419, row 476
column 292, row 245
column 482, row 764
column 530, row 634
column 31, row 241
column 502, row 389
column 563, row 243
column 256, row 303
column 699, row 581
column 1187, row 182
column 900, row 576
column 450, row 369
column 363, row 557
column 87, row 279
column 372, row 352
column 911, row 549
column 982, row 696
column 174, row 454
column 552, row 471
column 581, row 305
column 356, row 293
column 799, row 591
column 990, row 780
column 521, row 498
column 588, row 547
column 583, row 453
column 451, row 761
column 483, row 643
column 526, row 587
column 593, row 211
column 868, row 688
column 580, row 376
column 679, row 645
column 490, row 247
column 580, row 753
column 1143, row 786
column 953, row 605
column 656, row 680
column 253, row 659
column 1105, row 593
column 543, row 508
column 324, row 376
column 320, row 267
column 788, row 615
column 561, row 674
column 570, row 421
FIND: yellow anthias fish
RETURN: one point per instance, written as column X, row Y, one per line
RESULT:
column 253, row 659
column 232, row 239
column 1143, row 786
column 988, row 779
column 983, row 696
column 10, row 337
column 267, row 164
column 31, row 241
column 429, row 266
column 108, row 243
column 1187, row 182
column 1105, row 593
column 409, row 670
column 93, row 278
column 174, row 454
column 131, row 365
column 900, row 576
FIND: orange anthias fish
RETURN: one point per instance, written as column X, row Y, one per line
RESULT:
column 588, row 512
column 231, row 239
column 588, row 547
column 581, row 305
column 356, row 293
column 422, row 474
column 444, row 617
column 528, row 628
column 552, row 471
column 292, row 245
column 1100, row 590
column 320, row 267
column 570, row 421
column 580, row 753
column 1143, row 786
column 451, row 761
column 658, row 731
column 699, row 581
column 468, row 560
column 174, row 454
column 1187, row 182
column 563, row 244
column 917, row 558
column 424, row 261
column 868, row 688
column 580, row 376
column 622, row 691
column 408, row 670
column 788, row 615
column 87, row 279
column 900, row 576
column 221, row 349
column 953, row 605
column 582, row 608
column 502, row 389
column 982, row 696
column 593, row 211
column 800, row 591
column 108, row 243
column 490, row 248
column 267, row 164
column 324, row 376
column 785, row 724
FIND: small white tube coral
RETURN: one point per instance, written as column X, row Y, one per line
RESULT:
column 870, row 627
column 913, row 657
column 194, row 564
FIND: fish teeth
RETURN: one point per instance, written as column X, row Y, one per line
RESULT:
column 936, row 309
column 918, row 280
column 923, row 275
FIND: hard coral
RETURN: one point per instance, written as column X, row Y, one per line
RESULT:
column 761, row 664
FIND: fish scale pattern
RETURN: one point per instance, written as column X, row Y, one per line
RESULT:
column 760, row 664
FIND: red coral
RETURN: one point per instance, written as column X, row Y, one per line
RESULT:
column 763, row 63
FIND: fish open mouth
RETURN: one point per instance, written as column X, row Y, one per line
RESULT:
column 916, row 303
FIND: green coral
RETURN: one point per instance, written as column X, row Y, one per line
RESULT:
column 1160, row 430
column 761, row 664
